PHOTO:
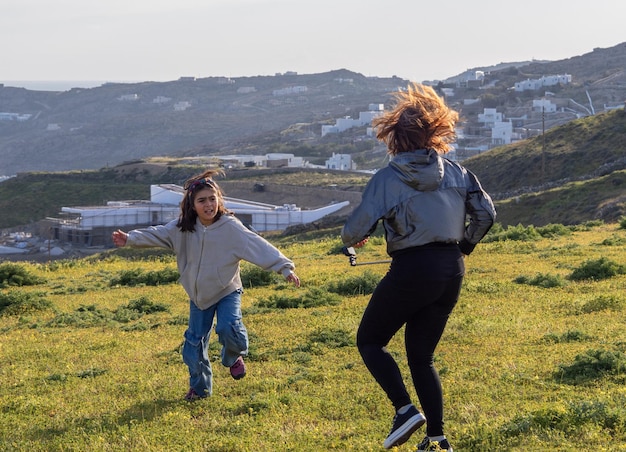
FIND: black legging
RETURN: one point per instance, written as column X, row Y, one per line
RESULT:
column 420, row 290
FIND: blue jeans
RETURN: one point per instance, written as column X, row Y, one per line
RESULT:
column 231, row 333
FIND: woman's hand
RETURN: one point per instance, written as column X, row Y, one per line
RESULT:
column 361, row 243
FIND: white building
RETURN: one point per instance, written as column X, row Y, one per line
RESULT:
column 274, row 160
column 182, row 105
column 489, row 116
column 161, row 100
column 290, row 90
column 93, row 225
column 277, row 159
column 544, row 105
column 341, row 162
column 501, row 133
column 550, row 80
column 345, row 123
column 128, row 97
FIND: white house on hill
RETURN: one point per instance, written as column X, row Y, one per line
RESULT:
column 365, row 118
column 341, row 162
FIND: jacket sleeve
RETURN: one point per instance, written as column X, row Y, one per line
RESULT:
column 481, row 212
column 262, row 253
column 153, row 236
column 364, row 219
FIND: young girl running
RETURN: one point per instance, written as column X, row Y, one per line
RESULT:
column 209, row 243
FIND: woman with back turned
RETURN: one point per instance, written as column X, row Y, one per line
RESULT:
column 434, row 212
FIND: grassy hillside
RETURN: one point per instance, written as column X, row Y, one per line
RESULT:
column 533, row 357
column 578, row 178
column 599, row 198
column 583, row 148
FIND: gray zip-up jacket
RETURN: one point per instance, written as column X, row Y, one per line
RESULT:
column 422, row 198
column 208, row 258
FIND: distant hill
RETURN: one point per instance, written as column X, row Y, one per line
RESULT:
column 573, row 174
column 105, row 126
column 84, row 129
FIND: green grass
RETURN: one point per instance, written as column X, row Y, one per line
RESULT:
column 532, row 359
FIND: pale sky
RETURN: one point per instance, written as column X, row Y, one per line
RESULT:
column 162, row 40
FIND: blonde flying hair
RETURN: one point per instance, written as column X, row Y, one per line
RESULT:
column 188, row 216
column 420, row 119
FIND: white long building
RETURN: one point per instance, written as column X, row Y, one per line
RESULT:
column 92, row 225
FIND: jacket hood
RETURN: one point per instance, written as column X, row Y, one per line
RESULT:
column 421, row 169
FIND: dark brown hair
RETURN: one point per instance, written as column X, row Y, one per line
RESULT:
column 188, row 216
column 420, row 119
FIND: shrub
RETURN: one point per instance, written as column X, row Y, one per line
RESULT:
column 64, row 264
column 355, row 285
column 576, row 416
column 279, row 302
column 518, row 233
column 138, row 277
column 591, row 365
column 254, row 276
column 622, row 222
column 587, row 225
column 83, row 317
column 569, row 336
column 91, row 373
column 17, row 302
column 602, row 303
column 313, row 298
column 145, row 306
column 332, row 338
column 16, row 275
column 316, row 297
column 598, row 269
column 541, row 280
column 554, row 230
column 614, row 240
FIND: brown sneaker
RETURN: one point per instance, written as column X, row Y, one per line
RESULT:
column 193, row 395
column 238, row 370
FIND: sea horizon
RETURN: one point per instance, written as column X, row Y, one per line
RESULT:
column 57, row 85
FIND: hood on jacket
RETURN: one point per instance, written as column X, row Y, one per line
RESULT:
column 421, row 169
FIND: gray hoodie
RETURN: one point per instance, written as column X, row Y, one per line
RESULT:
column 208, row 258
column 422, row 198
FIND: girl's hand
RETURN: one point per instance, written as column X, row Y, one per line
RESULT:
column 119, row 238
column 293, row 278
column 361, row 243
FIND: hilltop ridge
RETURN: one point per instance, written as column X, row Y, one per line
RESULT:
column 101, row 127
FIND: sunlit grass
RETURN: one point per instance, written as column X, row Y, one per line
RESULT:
column 118, row 384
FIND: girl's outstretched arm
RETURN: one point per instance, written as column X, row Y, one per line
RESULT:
column 292, row 277
column 119, row 238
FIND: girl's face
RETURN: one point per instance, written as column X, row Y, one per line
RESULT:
column 206, row 203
